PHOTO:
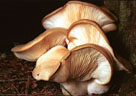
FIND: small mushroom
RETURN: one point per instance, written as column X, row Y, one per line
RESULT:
column 41, row 44
column 87, row 31
column 49, row 63
column 83, row 63
column 64, row 16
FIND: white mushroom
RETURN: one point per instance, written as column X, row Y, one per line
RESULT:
column 35, row 48
column 76, row 10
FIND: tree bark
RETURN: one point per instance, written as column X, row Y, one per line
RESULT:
column 123, row 40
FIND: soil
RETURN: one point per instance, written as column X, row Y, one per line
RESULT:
column 16, row 79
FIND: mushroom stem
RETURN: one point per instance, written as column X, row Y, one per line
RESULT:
column 75, row 88
column 78, row 88
column 95, row 88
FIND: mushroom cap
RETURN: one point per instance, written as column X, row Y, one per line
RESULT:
column 49, row 63
column 64, row 16
column 35, row 48
column 87, row 31
column 90, row 61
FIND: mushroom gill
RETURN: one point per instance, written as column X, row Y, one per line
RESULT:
column 90, row 61
column 41, row 44
column 64, row 16
column 90, row 69
column 83, row 64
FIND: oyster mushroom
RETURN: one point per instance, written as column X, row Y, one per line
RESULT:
column 41, row 44
column 64, row 16
column 50, row 62
column 87, row 31
column 100, row 76
column 81, row 64
column 93, row 62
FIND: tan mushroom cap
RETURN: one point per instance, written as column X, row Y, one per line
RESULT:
column 86, row 62
column 35, row 48
column 76, row 10
column 49, row 62
column 87, row 31
column 90, row 61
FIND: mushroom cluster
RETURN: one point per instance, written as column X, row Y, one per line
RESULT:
column 74, row 50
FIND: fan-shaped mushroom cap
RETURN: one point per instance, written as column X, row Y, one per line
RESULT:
column 87, row 31
column 76, row 10
column 85, row 62
column 93, row 61
column 49, row 63
column 35, row 48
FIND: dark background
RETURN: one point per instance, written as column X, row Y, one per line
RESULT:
column 20, row 20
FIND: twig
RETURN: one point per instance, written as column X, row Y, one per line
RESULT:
column 66, row 90
column 27, row 85
column 45, row 93
column 5, row 90
column 12, row 80
column 16, row 89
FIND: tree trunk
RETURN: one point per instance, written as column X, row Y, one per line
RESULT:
column 124, row 39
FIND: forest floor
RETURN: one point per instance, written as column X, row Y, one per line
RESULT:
column 16, row 80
